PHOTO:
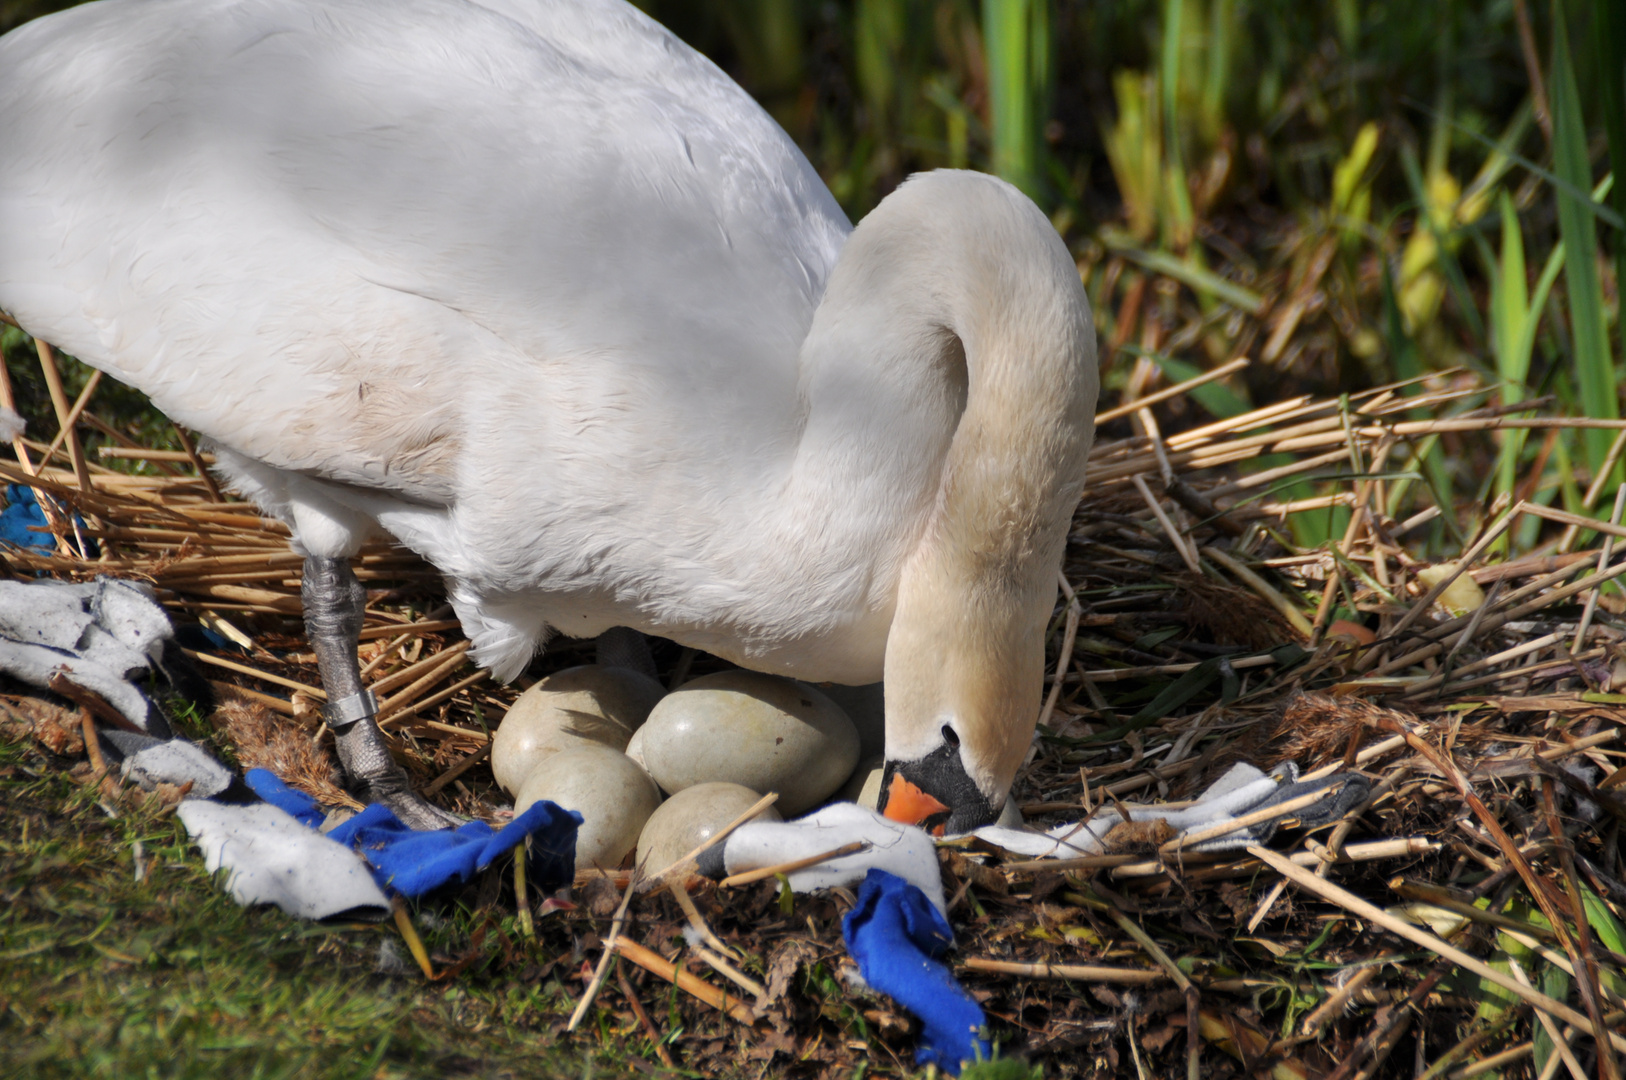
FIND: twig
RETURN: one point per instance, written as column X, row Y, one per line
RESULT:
column 1350, row 902
column 1176, row 541
column 697, row 987
column 1088, row 972
column 1177, row 390
column 1329, row 1009
column 680, row 893
column 1225, row 828
column 1189, row 991
column 718, row 837
column 79, row 404
column 197, row 463
column 728, row 971
column 397, row 717
column 609, row 954
column 93, row 749
column 59, row 402
column 655, row 1039
column 1603, row 560
column 403, row 923
column 1266, row 591
column 1489, row 536
column 522, row 903
column 92, row 702
column 1586, row 963
column 265, row 676
column 1064, row 657
column 1559, row 1042
column 748, row 877
column 457, row 770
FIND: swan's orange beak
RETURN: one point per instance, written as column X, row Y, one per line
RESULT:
column 907, row 803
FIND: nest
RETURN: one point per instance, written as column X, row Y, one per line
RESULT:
column 1190, row 632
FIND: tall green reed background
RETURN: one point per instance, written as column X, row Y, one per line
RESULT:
column 1350, row 193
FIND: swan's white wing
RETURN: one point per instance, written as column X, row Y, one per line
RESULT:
column 324, row 233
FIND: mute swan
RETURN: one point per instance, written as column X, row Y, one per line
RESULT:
column 538, row 291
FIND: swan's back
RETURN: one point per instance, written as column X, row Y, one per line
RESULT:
column 335, row 236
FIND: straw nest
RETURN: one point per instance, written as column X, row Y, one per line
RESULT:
column 1467, row 916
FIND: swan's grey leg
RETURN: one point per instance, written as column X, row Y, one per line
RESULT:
column 622, row 646
column 334, row 602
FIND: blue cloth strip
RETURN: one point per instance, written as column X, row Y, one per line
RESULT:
column 896, row 936
column 413, row 863
column 21, row 517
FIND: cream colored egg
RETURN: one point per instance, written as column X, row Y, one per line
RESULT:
column 864, row 785
column 613, row 795
column 588, row 704
column 760, row 731
column 691, row 817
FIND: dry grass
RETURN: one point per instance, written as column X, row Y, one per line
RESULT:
column 1492, row 737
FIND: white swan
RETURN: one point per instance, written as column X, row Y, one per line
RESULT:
column 538, row 290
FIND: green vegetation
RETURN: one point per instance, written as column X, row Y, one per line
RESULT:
column 119, row 957
column 1349, row 194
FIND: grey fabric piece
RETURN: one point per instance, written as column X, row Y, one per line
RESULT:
column 270, row 858
column 1242, row 790
column 35, row 664
column 101, row 634
column 178, row 762
column 128, row 612
column 127, row 743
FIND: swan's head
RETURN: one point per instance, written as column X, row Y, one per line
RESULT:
column 964, row 674
column 964, row 662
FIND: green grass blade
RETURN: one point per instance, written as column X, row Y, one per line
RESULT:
column 1187, row 273
column 1593, row 206
column 1009, row 39
column 1510, row 309
column 1594, row 367
column 1609, row 29
column 1176, row 190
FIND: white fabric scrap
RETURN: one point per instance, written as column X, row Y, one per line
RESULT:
column 101, row 634
column 1241, row 789
column 900, row 849
column 271, row 858
column 178, row 761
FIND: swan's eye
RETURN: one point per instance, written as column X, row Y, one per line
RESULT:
column 951, row 736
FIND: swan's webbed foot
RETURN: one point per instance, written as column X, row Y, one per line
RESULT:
column 376, row 777
column 622, row 646
column 334, row 601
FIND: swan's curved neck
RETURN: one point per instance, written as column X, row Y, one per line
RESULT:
column 950, row 375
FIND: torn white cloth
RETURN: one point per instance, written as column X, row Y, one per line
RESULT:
column 273, row 859
column 1241, row 790
column 100, row 634
column 910, row 853
column 899, row 849
column 149, row 761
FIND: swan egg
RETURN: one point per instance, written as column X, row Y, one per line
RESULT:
column 588, row 704
column 690, row 818
column 608, row 789
column 759, row 731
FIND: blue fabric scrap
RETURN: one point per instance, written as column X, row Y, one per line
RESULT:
column 295, row 803
column 896, row 936
column 413, row 863
column 21, row 517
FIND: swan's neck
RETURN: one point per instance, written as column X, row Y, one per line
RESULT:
column 950, row 382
